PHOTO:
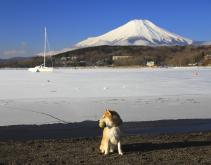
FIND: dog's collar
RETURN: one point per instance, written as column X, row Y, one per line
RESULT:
column 108, row 126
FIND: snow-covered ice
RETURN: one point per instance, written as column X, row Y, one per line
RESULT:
column 73, row 95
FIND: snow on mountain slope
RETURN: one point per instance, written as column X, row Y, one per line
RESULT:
column 136, row 32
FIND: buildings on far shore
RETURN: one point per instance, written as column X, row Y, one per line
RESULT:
column 115, row 58
column 207, row 57
column 150, row 63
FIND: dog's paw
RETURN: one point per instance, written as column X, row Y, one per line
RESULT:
column 121, row 153
column 106, row 153
column 111, row 151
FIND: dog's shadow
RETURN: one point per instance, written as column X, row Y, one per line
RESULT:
column 144, row 147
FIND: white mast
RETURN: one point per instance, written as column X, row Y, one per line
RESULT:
column 42, row 67
column 45, row 45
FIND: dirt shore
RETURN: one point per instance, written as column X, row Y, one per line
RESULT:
column 189, row 148
column 158, row 142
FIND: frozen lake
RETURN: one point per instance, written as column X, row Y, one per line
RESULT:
column 74, row 95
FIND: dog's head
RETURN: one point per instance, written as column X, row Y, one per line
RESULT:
column 110, row 119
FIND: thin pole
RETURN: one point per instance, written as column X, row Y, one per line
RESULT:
column 45, row 45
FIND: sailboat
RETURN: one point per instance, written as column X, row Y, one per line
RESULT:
column 43, row 67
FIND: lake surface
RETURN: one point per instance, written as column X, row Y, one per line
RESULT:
column 74, row 95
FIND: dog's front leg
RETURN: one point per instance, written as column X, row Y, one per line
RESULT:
column 107, row 148
column 119, row 148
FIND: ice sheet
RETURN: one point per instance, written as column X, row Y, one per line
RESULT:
column 72, row 95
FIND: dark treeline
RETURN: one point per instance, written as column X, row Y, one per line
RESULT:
column 138, row 55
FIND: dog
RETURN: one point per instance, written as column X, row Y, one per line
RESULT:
column 110, row 122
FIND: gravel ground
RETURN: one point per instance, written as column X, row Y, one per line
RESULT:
column 183, row 148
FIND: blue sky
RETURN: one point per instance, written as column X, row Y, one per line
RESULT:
column 70, row 21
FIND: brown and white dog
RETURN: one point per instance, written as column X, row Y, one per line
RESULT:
column 110, row 122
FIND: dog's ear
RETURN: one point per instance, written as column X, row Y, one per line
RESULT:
column 107, row 112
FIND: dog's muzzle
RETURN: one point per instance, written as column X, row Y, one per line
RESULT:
column 102, row 124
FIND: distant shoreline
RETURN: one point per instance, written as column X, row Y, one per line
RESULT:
column 118, row 67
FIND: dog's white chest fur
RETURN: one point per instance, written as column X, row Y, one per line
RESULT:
column 114, row 135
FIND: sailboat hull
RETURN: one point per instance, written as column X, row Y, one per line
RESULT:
column 40, row 69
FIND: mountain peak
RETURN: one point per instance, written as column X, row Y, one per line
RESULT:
column 139, row 21
column 136, row 32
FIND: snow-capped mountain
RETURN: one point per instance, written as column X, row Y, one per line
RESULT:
column 136, row 32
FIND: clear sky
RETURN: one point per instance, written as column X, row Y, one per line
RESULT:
column 70, row 21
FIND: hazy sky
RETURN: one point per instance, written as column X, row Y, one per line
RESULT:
column 69, row 21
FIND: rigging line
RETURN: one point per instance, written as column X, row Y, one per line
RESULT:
column 105, row 105
column 43, row 113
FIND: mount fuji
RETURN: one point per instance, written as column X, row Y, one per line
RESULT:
column 136, row 32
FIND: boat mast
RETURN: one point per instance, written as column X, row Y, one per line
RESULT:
column 45, row 45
